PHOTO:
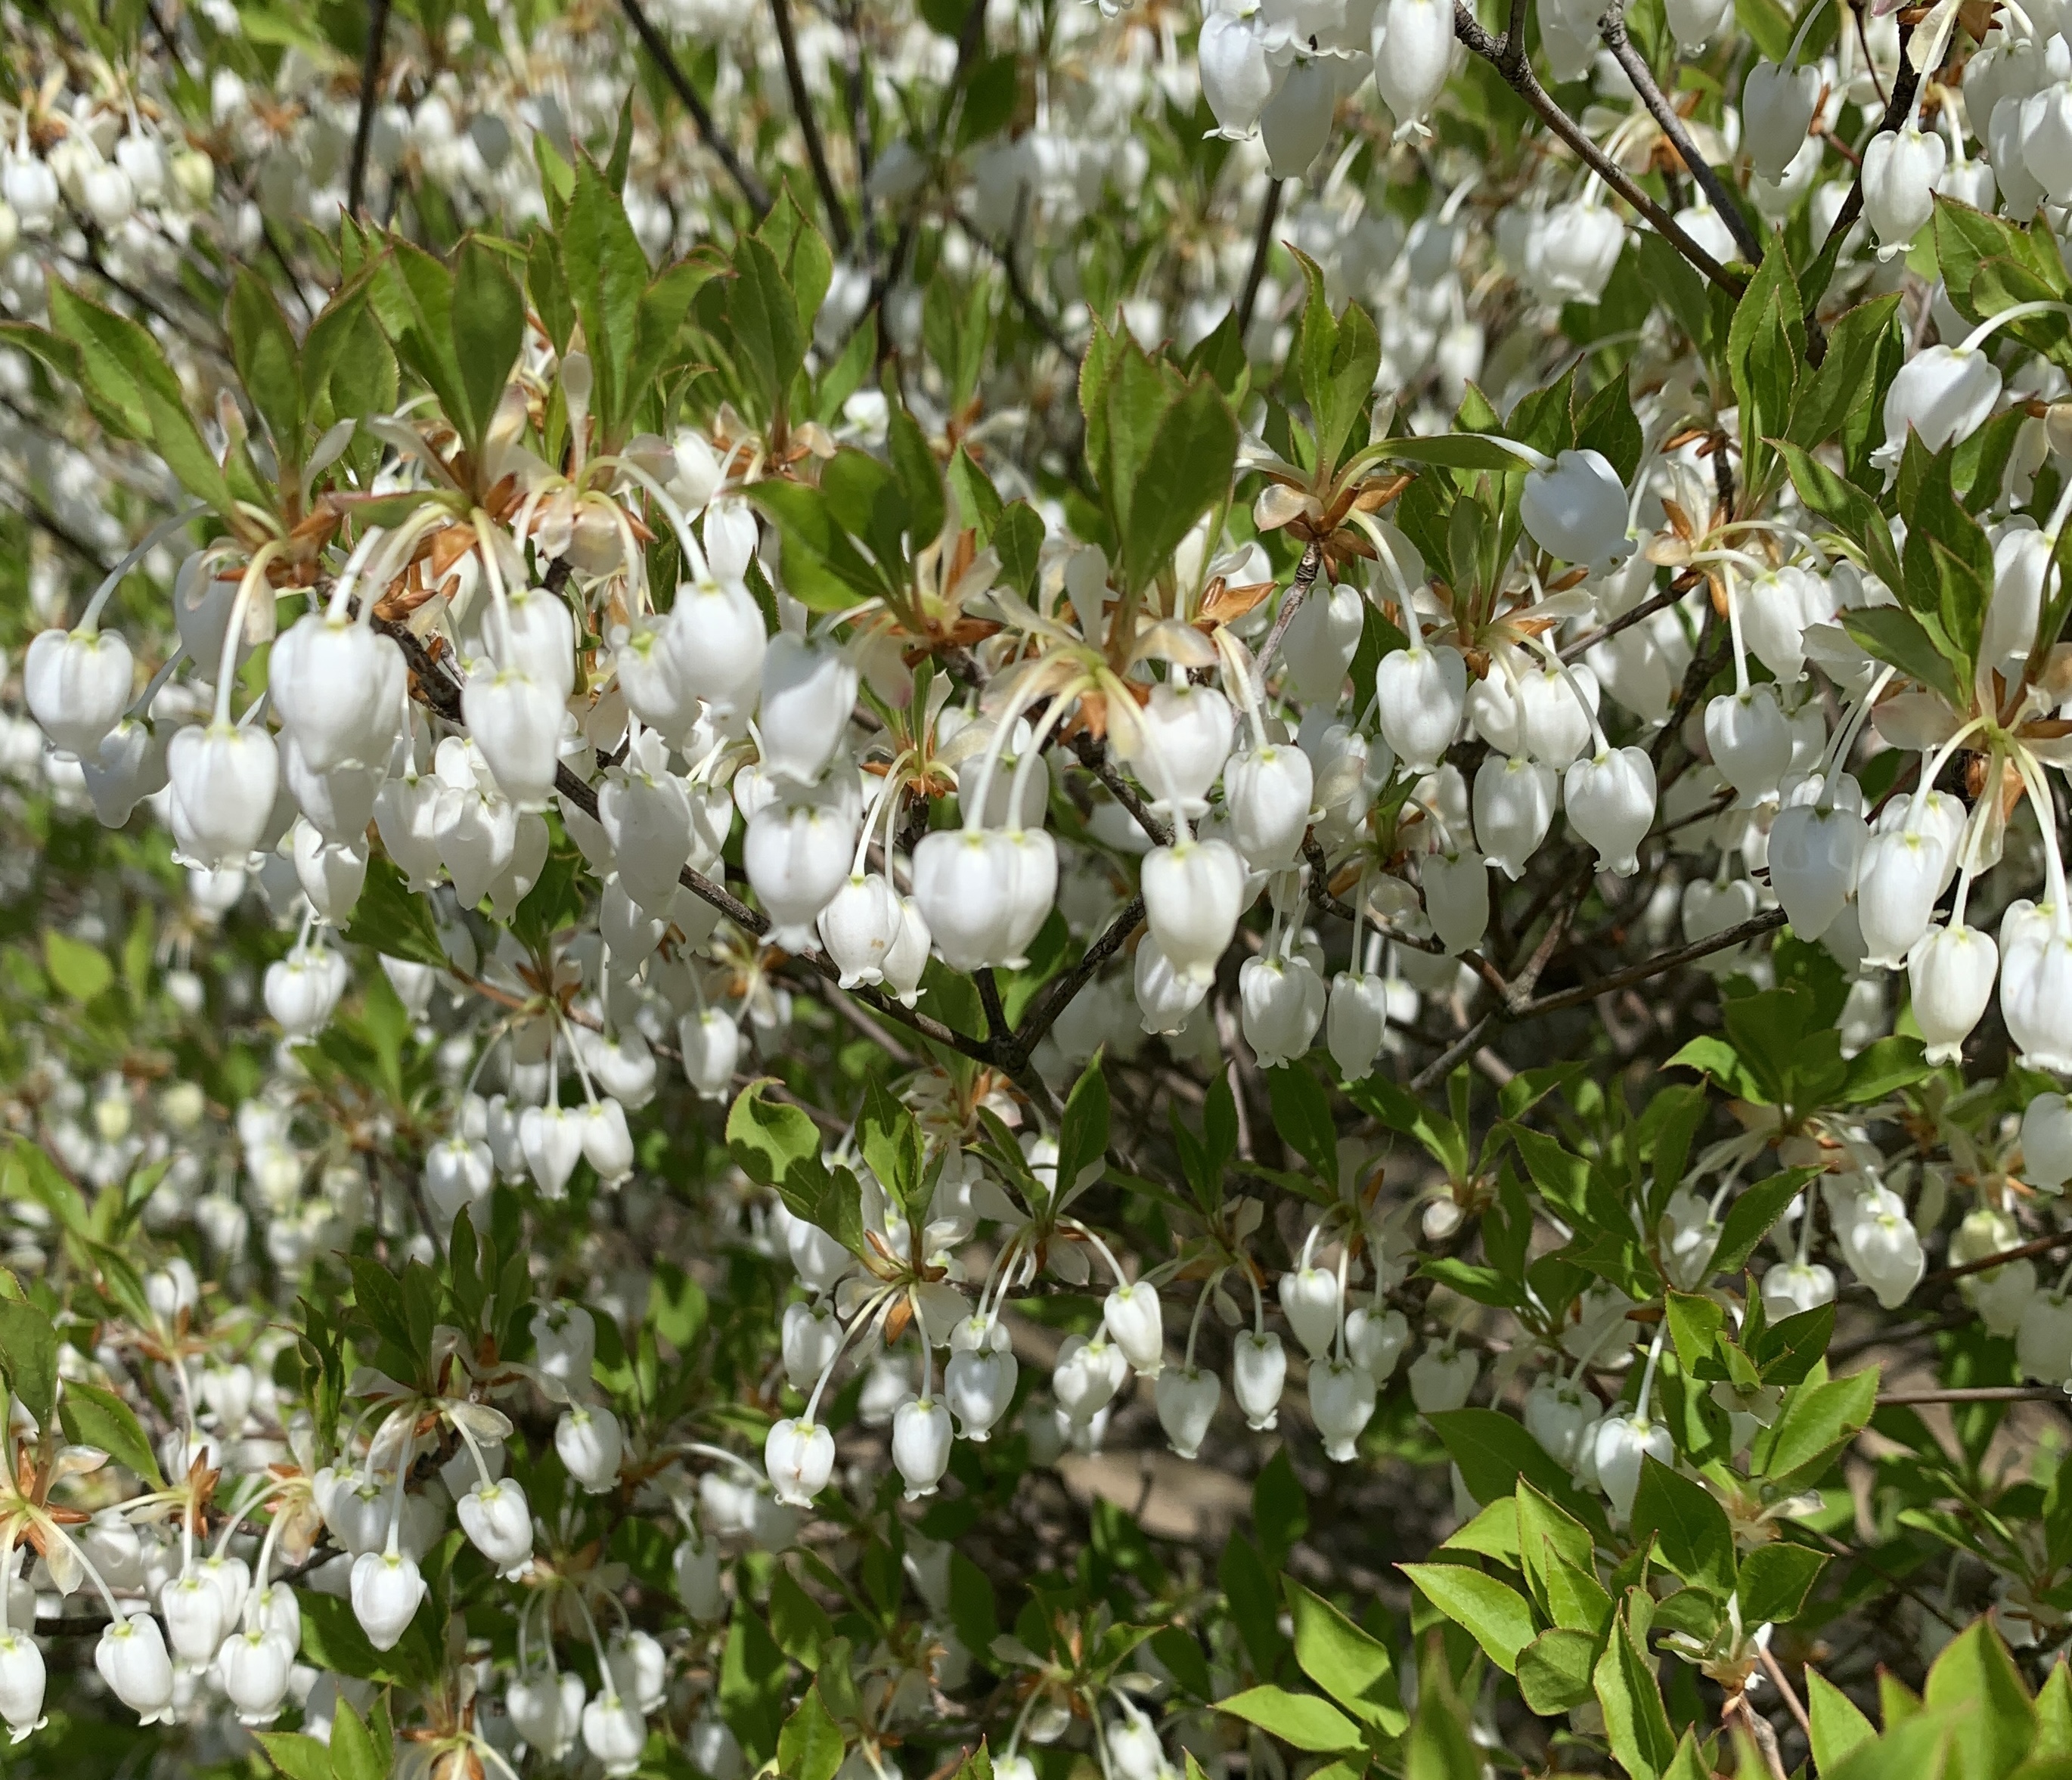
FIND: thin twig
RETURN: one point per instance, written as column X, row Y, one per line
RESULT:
column 1977, row 1393
column 1058, row 993
column 1897, row 111
column 1612, row 28
column 370, row 87
column 1093, row 756
column 1646, row 610
column 1776, row 1673
column 1768, row 922
column 680, row 83
column 802, row 106
column 1519, row 75
column 1306, row 577
column 1262, row 246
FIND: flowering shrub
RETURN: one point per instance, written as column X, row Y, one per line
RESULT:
column 1035, row 890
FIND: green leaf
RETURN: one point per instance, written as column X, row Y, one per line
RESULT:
column 1017, row 540
column 94, row 1417
column 1695, row 1324
column 393, row 920
column 607, row 276
column 1775, row 1581
column 1846, row 379
column 1083, row 1130
column 763, row 322
column 752, row 1685
column 80, row 970
column 489, row 330
column 1976, row 1672
column 1493, row 1613
column 298, row 1757
column 800, row 1624
column 1848, row 509
column 1185, row 472
column 1897, row 638
column 1636, row 1723
column 810, row 1746
column 1302, row 1115
column 1695, row 1538
column 263, row 348
column 1493, row 1451
column 1820, row 1419
column 1456, row 451
column 1353, row 1667
column 1301, row 1719
column 332, row 1639
column 1838, row 1726
column 1555, row 1669
column 356, row 1753
column 29, row 1358
column 1750, row 1218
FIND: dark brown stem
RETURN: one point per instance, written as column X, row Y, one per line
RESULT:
column 370, row 88
column 1093, row 756
column 1612, row 28
column 1899, row 108
column 1517, row 72
column 1306, row 577
column 1980, row 1393
column 1768, row 922
column 1647, row 608
column 1057, row 994
column 680, row 83
column 1262, row 246
column 802, row 106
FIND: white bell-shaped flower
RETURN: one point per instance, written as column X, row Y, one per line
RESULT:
column 1177, row 742
column 1813, row 858
column 565, row 1346
column 1267, row 796
column 1089, row 1372
column 819, row 1259
column 2043, row 1339
column 1791, row 1288
column 22, row 1684
column 1884, row 1251
column 810, row 1337
column 964, row 883
column 589, row 1442
column 1413, row 55
column 1572, row 256
column 1237, row 79
column 1259, row 1373
column 1513, row 807
column 1456, row 898
column 1610, row 800
column 1750, row 741
column 921, row 1438
column 1185, row 1397
column 1945, row 393
column 1440, row 1379
column 652, row 678
column 1318, row 645
column 1558, row 1415
column 809, row 691
column 639, row 1669
column 716, row 635
column 224, row 779
column 1340, row 1393
column 694, row 1568
column 1694, row 23
column 551, row 1142
column 1776, row 110
column 1618, row 1446
column 1194, row 892
column 386, row 1589
column 1577, row 511
column 338, row 686
column 1309, row 1301
column 254, row 1667
column 130, row 767
column 77, row 684
column 498, row 1522
column 1131, row 1316
column 1282, row 1003
column 607, row 1142
column 646, row 816
column 1420, row 694
column 1898, row 176
column 800, row 1455
column 978, row 1379
column 709, row 1042
column 2036, row 1001
column 195, row 1616
column 547, row 1709
column 1377, row 1340
column 331, row 877
column 1356, row 1021
column 860, row 925
column 131, row 1658
column 303, row 989
column 1166, row 997
column 1297, row 122
column 796, row 854
column 1554, row 724
column 1898, row 880
column 516, row 720
column 1952, row 970
column 615, row 1732
column 2046, row 1142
